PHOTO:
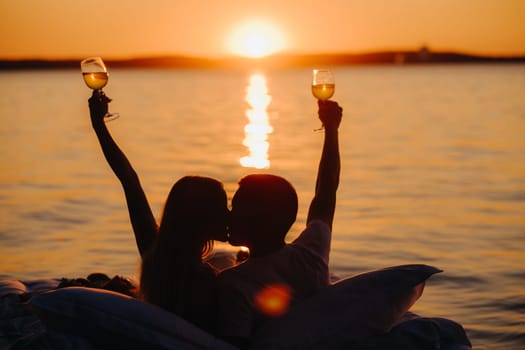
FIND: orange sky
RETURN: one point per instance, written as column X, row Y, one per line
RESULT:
column 120, row 28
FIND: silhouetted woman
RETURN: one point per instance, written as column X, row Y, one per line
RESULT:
column 173, row 274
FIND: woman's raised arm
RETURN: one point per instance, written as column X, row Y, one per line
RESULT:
column 142, row 219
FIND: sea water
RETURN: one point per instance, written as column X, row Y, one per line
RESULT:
column 433, row 171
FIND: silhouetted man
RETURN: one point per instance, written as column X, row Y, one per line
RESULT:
column 278, row 274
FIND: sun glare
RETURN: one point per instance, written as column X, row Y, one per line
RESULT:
column 255, row 39
column 274, row 300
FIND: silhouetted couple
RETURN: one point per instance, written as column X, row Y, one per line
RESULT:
column 229, row 303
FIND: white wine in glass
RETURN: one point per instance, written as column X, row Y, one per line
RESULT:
column 323, row 85
column 96, row 77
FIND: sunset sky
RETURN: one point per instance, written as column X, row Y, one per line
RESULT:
column 211, row 28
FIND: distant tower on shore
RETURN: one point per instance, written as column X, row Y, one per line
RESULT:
column 424, row 53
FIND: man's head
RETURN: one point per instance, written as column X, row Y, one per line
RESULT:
column 264, row 208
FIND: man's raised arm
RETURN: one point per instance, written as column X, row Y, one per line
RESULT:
column 323, row 204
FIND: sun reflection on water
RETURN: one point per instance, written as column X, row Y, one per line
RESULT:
column 258, row 127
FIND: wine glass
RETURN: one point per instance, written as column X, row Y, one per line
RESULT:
column 96, row 77
column 323, row 85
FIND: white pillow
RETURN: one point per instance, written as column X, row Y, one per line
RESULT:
column 360, row 306
column 110, row 319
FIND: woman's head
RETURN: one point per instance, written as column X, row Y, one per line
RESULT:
column 195, row 214
column 197, row 208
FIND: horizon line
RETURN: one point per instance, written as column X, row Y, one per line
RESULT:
column 392, row 56
column 276, row 54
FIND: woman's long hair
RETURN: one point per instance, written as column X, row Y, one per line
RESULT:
column 196, row 206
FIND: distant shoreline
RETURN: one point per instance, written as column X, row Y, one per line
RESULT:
column 422, row 56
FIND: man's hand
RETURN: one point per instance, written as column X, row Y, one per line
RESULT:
column 330, row 114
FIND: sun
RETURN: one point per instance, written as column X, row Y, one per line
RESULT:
column 255, row 39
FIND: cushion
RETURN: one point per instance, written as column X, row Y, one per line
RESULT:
column 109, row 319
column 415, row 333
column 360, row 306
column 21, row 287
column 12, row 287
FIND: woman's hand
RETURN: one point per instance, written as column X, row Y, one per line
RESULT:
column 98, row 106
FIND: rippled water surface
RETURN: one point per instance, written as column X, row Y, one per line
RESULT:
column 433, row 171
